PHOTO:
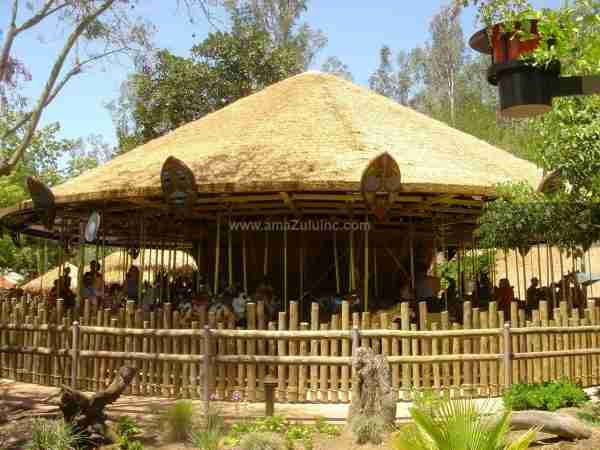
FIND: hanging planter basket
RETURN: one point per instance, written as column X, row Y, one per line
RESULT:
column 524, row 90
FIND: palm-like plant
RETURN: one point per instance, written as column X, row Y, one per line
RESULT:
column 458, row 425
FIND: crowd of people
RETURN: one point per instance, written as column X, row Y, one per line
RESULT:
column 187, row 293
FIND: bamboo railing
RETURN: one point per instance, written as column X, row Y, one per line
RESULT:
column 310, row 361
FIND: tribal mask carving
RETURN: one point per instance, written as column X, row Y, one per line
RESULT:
column 382, row 175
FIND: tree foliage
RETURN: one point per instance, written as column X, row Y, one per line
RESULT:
column 264, row 45
column 334, row 66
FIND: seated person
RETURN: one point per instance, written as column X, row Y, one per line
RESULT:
column 239, row 308
column 87, row 289
column 132, row 283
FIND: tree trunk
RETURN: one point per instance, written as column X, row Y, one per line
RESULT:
column 372, row 393
column 86, row 414
column 561, row 425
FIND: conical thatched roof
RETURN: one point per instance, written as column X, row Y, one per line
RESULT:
column 115, row 265
column 45, row 281
column 310, row 132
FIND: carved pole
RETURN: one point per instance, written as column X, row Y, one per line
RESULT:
column 229, row 253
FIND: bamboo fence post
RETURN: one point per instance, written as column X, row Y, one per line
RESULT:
column 292, row 388
column 406, row 368
column 229, row 254
column 74, row 353
column 207, row 370
column 486, row 385
column 345, row 384
column 333, row 369
column 352, row 281
column 593, row 342
column 456, row 372
column 446, row 381
column 285, row 267
column 544, row 340
column 507, row 359
column 221, row 368
column 281, row 351
column 324, row 379
column 302, row 370
column 475, row 343
column 567, row 368
column 467, row 348
column 493, row 348
column 416, row 381
column 436, row 366
column 396, row 386
column 425, row 345
column 314, row 351
column 261, row 349
column 251, row 350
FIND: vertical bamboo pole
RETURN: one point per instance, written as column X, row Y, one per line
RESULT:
column 366, row 263
column 517, row 275
column 562, row 277
column 334, row 384
column 375, row 276
column 539, row 259
column 314, row 351
column 324, row 375
column 405, row 324
column 266, row 255
column 292, row 388
column 467, row 348
column 302, row 370
column 217, row 254
column 251, row 350
column 345, row 385
column 244, row 263
column 524, row 278
column 229, row 255
column 412, row 261
column 351, row 264
column 285, row 264
column 336, row 262
column 301, row 256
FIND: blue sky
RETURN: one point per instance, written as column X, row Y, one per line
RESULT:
column 356, row 31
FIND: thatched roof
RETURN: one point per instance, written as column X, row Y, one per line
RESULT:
column 312, row 132
column 44, row 282
column 549, row 272
column 115, row 265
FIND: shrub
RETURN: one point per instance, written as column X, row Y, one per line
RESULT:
column 321, row 426
column 548, row 396
column 458, row 424
column 126, row 428
column 209, row 437
column 179, row 420
column 262, row 441
column 368, row 429
column 54, row 435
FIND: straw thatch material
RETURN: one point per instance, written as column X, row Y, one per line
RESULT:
column 115, row 268
column 532, row 268
column 310, row 132
column 44, row 282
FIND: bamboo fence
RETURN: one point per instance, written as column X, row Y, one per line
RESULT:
column 310, row 361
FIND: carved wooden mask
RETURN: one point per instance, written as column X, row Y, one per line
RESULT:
column 382, row 175
column 178, row 184
column 43, row 200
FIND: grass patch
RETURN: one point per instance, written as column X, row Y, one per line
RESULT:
column 54, row 435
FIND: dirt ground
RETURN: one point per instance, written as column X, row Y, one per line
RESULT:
column 28, row 401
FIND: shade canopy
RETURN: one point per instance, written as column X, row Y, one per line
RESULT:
column 298, row 147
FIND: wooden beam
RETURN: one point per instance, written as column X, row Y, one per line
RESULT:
column 289, row 201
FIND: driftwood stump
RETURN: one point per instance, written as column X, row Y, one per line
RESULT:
column 560, row 425
column 86, row 414
column 372, row 394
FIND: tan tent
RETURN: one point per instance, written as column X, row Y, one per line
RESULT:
column 44, row 282
column 116, row 265
column 541, row 267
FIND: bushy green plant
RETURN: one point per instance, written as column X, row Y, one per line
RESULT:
column 54, row 435
column 179, row 420
column 548, row 396
column 322, row 427
column 212, row 432
column 263, row 441
column 367, row 429
column 126, row 428
column 458, row 424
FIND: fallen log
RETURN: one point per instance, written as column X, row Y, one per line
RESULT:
column 561, row 425
column 86, row 414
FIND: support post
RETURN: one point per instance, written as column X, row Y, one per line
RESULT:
column 229, row 255
column 217, row 251
column 285, row 274
column 207, row 374
column 507, row 356
column 366, row 274
column 351, row 280
column 244, row 264
column 74, row 354
column 266, row 256
column 269, row 383
column 336, row 261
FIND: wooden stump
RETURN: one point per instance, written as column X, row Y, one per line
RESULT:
column 86, row 414
column 372, row 393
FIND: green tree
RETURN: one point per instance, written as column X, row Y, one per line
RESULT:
column 384, row 81
column 334, row 66
column 226, row 66
column 94, row 31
